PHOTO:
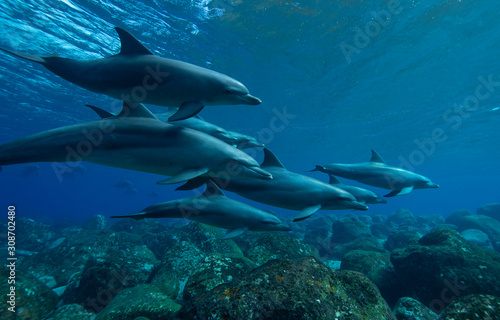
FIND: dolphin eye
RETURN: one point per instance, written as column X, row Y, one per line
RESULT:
column 228, row 91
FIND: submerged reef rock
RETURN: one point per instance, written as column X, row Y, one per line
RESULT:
column 337, row 251
column 401, row 239
column 347, row 229
column 477, row 237
column 473, row 307
column 35, row 237
column 403, row 219
column 275, row 245
column 410, row 309
column 291, row 289
column 381, row 230
column 33, row 298
column 71, row 312
column 486, row 224
column 144, row 300
column 444, row 266
column 456, row 215
column 97, row 222
column 490, row 209
column 378, row 268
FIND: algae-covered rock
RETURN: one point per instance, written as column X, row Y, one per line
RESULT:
column 98, row 222
column 410, row 309
column 212, row 271
column 473, row 307
column 456, row 215
column 490, row 209
column 71, row 312
column 275, row 245
column 33, row 236
column 403, row 219
column 144, row 300
column 33, row 299
column 401, row 239
column 486, row 224
column 378, row 268
column 381, row 230
column 477, row 237
column 291, row 289
column 347, row 229
column 444, row 264
column 337, row 251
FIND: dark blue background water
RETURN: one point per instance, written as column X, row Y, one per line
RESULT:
column 408, row 78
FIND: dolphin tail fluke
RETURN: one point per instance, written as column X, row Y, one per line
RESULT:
column 138, row 216
column 25, row 56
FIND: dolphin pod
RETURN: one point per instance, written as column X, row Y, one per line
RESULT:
column 137, row 75
column 214, row 208
column 378, row 174
column 134, row 139
column 288, row 190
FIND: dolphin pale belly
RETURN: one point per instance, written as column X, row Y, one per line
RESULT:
column 214, row 208
column 134, row 140
column 136, row 75
column 378, row 174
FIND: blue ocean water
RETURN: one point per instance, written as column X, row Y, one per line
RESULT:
column 417, row 81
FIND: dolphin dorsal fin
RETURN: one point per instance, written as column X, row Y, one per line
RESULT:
column 135, row 110
column 129, row 44
column 100, row 112
column 270, row 160
column 333, row 179
column 376, row 157
column 213, row 190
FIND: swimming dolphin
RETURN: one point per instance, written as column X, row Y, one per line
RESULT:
column 214, row 208
column 137, row 75
column 243, row 141
column 378, row 174
column 287, row 190
column 134, row 140
column 361, row 194
column 195, row 123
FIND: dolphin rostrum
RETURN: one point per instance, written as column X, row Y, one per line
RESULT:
column 378, row 174
column 287, row 190
column 361, row 194
column 134, row 139
column 214, row 208
column 137, row 75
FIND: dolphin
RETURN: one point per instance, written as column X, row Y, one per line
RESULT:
column 195, row 123
column 243, row 141
column 287, row 190
column 214, row 208
column 361, row 194
column 137, row 75
column 378, row 174
column 134, row 139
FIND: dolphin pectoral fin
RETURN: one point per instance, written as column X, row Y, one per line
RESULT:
column 129, row 44
column 187, row 110
column 233, row 233
column 401, row 192
column 25, row 56
column 306, row 213
column 193, row 184
column 100, row 112
column 184, row 175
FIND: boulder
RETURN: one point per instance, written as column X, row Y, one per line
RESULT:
column 71, row 312
column 491, row 210
column 486, row 224
column 476, row 306
column 410, row 309
column 144, row 300
column 347, row 229
column 97, row 222
column 477, row 237
column 291, row 289
column 444, row 266
column 403, row 218
column 401, row 239
column 456, row 215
